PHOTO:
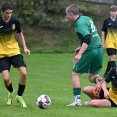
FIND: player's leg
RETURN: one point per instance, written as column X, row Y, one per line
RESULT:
column 108, row 67
column 4, row 68
column 88, row 90
column 99, row 103
column 80, row 67
column 111, row 52
column 21, row 87
column 76, row 89
column 18, row 62
column 95, row 67
column 112, row 64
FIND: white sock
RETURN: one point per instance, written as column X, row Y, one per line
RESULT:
column 77, row 98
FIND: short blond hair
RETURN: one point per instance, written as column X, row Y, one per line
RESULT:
column 113, row 8
column 73, row 8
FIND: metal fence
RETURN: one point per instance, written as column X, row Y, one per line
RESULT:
column 104, row 1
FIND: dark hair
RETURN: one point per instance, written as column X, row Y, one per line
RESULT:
column 73, row 8
column 113, row 8
column 6, row 5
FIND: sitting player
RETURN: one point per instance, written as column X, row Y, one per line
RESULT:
column 107, row 96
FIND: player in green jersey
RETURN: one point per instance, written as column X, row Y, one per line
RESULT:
column 90, row 56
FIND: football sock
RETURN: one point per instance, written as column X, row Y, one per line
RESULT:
column 114, row 71
column 20, row 90
column 76, row 92
column 113, row 64
column 108, row 67
column 77, row 98
column 10, row 88
column 96, row 79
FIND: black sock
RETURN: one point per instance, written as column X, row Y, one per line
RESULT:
column 108, row 67
column 113, row 64
column 21, row 90
column 10, row 88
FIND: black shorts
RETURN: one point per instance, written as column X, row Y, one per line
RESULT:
column 101, row 96
column 111, row 51
column 16, row 61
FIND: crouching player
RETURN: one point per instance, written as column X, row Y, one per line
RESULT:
column 107, row 96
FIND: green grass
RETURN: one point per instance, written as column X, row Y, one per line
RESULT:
column 50, row 74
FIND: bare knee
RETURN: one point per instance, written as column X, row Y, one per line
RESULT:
column 24, row 75
column 85, row 90
column 113, row 57
column 6, row 79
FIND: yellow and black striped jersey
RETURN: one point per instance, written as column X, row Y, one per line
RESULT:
column 113, row 90
column 8, row 44
column 110, row 29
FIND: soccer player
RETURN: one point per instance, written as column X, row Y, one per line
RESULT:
column 107, row 96
column 109, row 38
column 10, row 52
column 90, row 56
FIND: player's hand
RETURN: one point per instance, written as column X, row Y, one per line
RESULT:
column 77, row 50
column 106, row 94
column 76, row 58
column 103, row 44
column 27, row 52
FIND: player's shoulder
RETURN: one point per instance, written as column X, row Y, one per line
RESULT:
column 14, row 19
column 1, row 18
column 107, row 19
column 84, row 17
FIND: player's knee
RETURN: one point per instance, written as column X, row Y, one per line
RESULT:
column 85, row 90
column 6, row 79
column 113, row 58
column 24, row 75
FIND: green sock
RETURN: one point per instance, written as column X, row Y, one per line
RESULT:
column 96, row 79
column 76, row 91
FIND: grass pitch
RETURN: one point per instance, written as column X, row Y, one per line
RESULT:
column 50, row 74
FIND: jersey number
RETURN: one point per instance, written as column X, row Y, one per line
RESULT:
column 92, row 26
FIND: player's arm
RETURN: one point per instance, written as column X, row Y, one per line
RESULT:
column 103, row 38
column 104, row 29
column 104, row 84
column 85, row 44
column 106, row 92
column 21, row 36
column 83, row 48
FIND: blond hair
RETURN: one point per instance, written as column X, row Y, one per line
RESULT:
column 73, row 8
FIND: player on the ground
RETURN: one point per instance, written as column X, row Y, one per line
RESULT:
column 10, row 52
column 90, row 56
column 107, row 96
column 109, row 38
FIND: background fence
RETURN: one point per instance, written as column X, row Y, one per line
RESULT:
column 104, row 1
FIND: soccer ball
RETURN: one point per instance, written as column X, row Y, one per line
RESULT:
column 43, row 101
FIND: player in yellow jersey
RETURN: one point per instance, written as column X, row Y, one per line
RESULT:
column 109, row 38
column 10, row 52
column 107, row 96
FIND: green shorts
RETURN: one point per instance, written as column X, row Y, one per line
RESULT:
column 90, row 62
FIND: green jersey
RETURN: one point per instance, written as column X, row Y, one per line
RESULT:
column 84, row 26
